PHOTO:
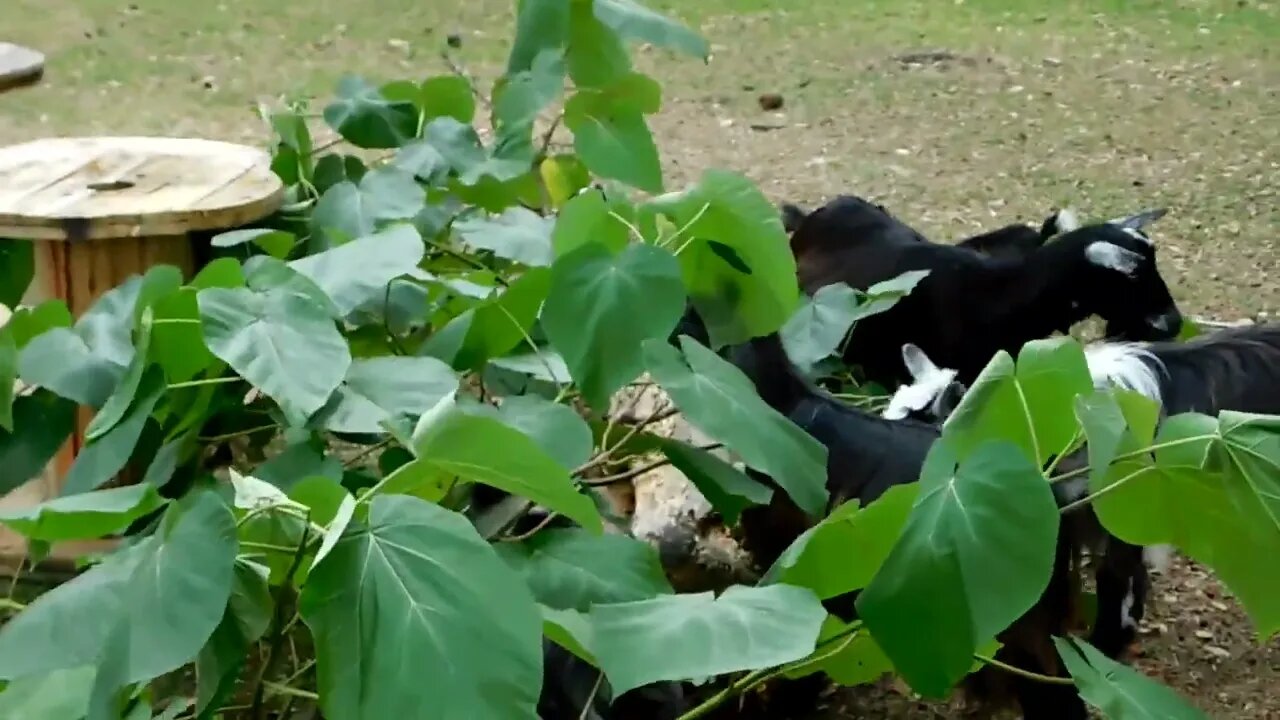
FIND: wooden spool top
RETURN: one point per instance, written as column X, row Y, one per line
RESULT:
column 121, row 187
column 19, row 66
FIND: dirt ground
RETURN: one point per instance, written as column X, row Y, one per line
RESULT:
column 959, row 115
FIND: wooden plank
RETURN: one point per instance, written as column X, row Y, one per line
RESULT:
column 19, row 66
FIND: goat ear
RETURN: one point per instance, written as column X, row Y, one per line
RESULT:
column 1113, row 257
column 918, row 364
column 792, row 216
column 1140, row 220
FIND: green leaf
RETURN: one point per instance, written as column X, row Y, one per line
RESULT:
column 570, row 630
column 714, row 396
column 100, row 460
column 297, row 462
column 28, row 322
column 728, row 489
column 367, row 119
column 284, row 344
column 593, row 318
column 682, row 637
column 379, row 389
column 633, row 21
column 556, row 428
column 585, row 219
column 8, row 376
column 353, row 210
column 595, row 55
column 820, row 559
column 540, row 25
column 420, row 579
column 485, row 450
column 1104, row 428
column 354, row 273
column 1031, row 406
column 1121, row 692
column 423, row 160
column 821, row 324
column 499, row 324
column 516, row 234
column 333, row 169
column 176, row 343
column 64, row 362
column 610, row 133
column 113, row 411
column 564, row 176
column 165, row 595
column 448, row 95
column 42, row 423
column 519, row 97
column 461, row 148
column 727, row 208
column 245, row 619
column 571, row 569
column 977, row 552
column 87, row 515
column 56, row 695
column 1212, row 493
column 276, row 243
column 17, row 270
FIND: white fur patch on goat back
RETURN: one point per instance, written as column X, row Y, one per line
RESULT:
column 1128, row 365
column 1067, row 220
column 1112, row 257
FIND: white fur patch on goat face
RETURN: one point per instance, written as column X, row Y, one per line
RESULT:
column 928, row 383
column 1113, row 257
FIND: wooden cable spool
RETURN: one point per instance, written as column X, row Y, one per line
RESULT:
column 101, row 209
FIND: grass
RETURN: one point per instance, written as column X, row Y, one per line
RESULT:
column 1109, row 105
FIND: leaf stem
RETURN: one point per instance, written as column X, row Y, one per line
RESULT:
column 1023, row 673
column 685, row 228
column 175, row 321
column 205, row 381
column 546, row 364
column 531, row 532
column 279, row 689
column 233, row 435
column 1134, row 454
column 1069, row 507
column 355, row 459
column 1053, row 465
column 634, row 230
column 11, row 604
column 603, row 456
column 466, row 259
column 595, row 689
column 259, row 710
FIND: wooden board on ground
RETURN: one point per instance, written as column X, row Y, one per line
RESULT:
column 19, row 66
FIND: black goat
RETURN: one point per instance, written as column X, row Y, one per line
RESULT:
column 972, row 305
column 1233, row 369
column 867, row 455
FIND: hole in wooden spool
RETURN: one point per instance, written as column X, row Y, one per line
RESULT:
column 111, row 185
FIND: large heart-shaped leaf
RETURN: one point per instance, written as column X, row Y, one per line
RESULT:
column 522, row 95
column 556, row 428
column 820, row 559
column 42, row 423
column 349, row 210
column 570, row 569
column 359, row 271
column 714, row 396
column 1211, row 491
column 634, row 21
column 848, row 656
column 1121, row 692
column 86, row 515
column 728, row 489
column 164, row 595
column 419, row 578
column 726, row 214
column 447, row 95
column 245, row 619
column 541, row 25
column 100, row 460
column 1031, row 405
column 516, row 234
column 56, row 695
column 483, row 449
column 610, row 133
column 376, row 390
column 977, row 552
column 602, row 306
column 586, row 218
column 682, row 637
column 817, row 329
column 284, row 343
column 595, row 54
column 367, row 119
column 17, row 269
column 501, row 322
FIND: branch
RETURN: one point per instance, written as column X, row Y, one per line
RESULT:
column 460, row 71
column 604, row 455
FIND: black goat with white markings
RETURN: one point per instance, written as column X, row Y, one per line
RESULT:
column 866, row 456
column 1233, row 369
column 972, row 304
